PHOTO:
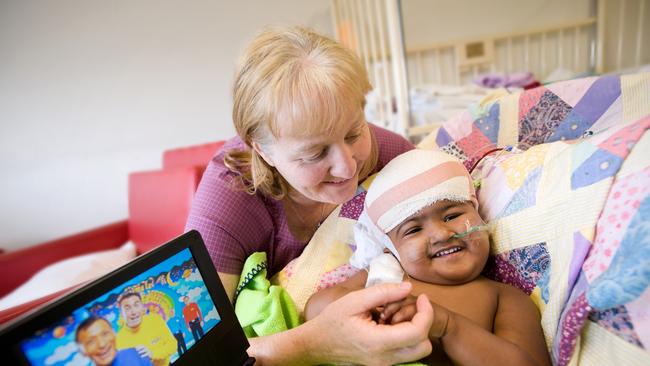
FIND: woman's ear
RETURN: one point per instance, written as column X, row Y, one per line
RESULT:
column 258, row 149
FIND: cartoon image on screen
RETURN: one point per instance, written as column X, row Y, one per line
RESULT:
column 151, row 319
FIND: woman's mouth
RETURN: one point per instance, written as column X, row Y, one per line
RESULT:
column 338, row 182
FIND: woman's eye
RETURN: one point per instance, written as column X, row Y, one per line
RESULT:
column 315, row 158
column 352, row 138
column 451, row 217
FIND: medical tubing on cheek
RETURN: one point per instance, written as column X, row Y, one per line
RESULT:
column 470, row 230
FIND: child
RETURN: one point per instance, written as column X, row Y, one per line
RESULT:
column 424, row 202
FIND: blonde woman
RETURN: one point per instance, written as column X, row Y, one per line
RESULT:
column 303, row 146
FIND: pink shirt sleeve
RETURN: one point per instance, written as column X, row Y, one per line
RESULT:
column 232, row 223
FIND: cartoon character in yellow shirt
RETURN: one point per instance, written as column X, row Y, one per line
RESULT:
column 147, row 333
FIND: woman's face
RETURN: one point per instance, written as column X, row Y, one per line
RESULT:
column 430, row 254
column 323, row 168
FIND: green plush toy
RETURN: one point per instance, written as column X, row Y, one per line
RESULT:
column 261, row 308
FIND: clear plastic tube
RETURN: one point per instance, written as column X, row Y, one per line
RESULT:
column 470, row 230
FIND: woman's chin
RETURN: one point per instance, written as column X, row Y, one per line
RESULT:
column 341, row 191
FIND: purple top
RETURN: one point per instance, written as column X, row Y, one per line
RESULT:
column 234, row 224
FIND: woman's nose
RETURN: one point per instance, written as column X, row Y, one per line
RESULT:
column 344, row 165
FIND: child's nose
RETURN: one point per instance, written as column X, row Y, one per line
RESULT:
column 439, row 232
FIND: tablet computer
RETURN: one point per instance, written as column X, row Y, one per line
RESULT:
column 167, row 306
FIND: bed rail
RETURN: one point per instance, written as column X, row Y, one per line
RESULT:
column 611, row 40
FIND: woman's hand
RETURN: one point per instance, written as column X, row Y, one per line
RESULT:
column 405, row 309
column 346, row 332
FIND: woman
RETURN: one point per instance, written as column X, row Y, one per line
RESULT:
column 303, row 146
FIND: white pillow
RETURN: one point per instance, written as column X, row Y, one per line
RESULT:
column 69, row 272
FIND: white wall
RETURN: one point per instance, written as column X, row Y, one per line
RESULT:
column 91, row 90
column 428, row 22
column 626, row 16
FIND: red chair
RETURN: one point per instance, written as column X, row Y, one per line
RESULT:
column 159, row 203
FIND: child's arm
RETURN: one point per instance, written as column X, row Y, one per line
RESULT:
column 517, row 338
column 319, row 300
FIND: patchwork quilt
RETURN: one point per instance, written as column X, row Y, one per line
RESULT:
column 566, row 197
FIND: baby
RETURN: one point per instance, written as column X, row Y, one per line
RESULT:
column 422, row 208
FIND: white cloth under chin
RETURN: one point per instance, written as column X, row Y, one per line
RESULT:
column 369, row 255
column 384, row 269
column 370, row 242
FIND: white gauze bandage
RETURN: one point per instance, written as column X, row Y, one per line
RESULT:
column 413, row 181
column 406, row 185
column 370, row 242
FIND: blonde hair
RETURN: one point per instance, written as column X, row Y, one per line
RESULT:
column 292, row 81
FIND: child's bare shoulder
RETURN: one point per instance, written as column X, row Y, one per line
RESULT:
column 510, row 291
column 512, row 297
column 489, row 285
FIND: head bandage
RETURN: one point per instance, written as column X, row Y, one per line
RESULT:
column 406, row 185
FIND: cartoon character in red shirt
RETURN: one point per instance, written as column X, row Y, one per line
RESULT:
column 193, row 318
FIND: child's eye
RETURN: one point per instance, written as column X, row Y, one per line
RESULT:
column 451, row 217
column 412, row 230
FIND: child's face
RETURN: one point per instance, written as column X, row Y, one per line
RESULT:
column 429, row 253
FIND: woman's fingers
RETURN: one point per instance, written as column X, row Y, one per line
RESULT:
column 409, row 333
column 413, row 353
column 356, row 338
column 422, row 319
column 400, row 311
column 369, row 298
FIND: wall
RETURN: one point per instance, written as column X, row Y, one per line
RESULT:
column 434, row 21
column 623, row 21
column 93, row 90
column 429, row 22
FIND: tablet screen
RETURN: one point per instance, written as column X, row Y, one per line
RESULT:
column 151, row 319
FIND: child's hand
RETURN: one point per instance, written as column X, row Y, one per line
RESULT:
column 404, row 310
column 398, row 311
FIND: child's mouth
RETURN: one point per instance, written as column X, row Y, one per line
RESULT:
column 447, row 251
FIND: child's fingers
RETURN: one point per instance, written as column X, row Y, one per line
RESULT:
column 390, row 309
column 405, row 313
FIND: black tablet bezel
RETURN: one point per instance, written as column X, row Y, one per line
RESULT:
column 224, row 344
